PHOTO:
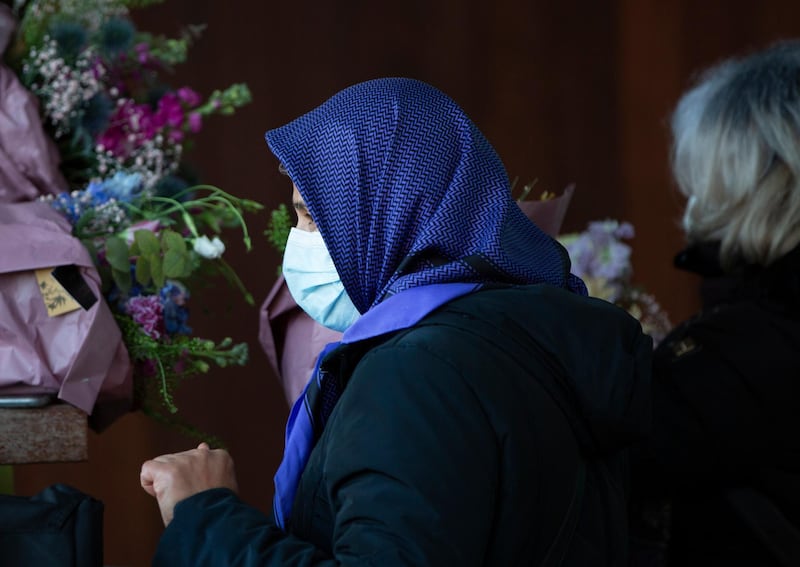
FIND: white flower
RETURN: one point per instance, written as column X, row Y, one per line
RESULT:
column 209, row 248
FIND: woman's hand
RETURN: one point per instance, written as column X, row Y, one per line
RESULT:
column 172, row 478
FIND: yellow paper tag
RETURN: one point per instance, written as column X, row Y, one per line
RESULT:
column 56, row 299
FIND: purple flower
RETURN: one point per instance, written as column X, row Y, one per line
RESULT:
column 113, row 139
column 599, row 253
column 189, row 96
column 150, row 123
column 170, row 110
column 129, row 118
column 195, row 122
column 147, row 312
column 142, row 52
column 624, row 231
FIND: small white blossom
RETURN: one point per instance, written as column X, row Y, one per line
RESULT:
column 209, row 248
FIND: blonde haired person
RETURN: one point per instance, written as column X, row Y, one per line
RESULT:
column 725, row 450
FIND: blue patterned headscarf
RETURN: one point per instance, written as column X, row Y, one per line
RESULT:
column 407, row 192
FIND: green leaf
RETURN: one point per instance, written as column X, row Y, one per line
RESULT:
column 171, row 240
column 176, row 263
column 147, row 242
column 123, row 279
column 117, row 254
column 143, row 270
column 157, row 273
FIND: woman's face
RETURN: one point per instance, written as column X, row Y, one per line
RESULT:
column 304, row 221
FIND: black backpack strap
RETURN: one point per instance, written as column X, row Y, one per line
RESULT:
column 558, row 549
column 768, row 524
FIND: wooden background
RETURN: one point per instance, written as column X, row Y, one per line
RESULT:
column 566, row 91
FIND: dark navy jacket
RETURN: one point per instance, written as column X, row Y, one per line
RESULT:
column 457, row 442
column 726, row 402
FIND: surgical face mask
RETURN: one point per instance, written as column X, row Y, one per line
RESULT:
column 314, row 283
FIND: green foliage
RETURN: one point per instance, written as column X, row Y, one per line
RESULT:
column 140, row 3
column 280, row 223
column 173, row 51
column 168, row 256
column 157, row 260
column 226, row 102
column 118, row 257
column 169, row 363
column 116, row 36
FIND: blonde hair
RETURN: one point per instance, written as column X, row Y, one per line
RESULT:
column 736, row 156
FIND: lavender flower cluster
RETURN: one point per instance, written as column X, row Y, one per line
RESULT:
column 601, row 258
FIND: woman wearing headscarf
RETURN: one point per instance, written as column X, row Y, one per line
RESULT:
column 477, row 408
column 718, row 482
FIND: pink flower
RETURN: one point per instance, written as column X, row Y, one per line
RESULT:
column 113, row 140
column 151, row 225
column 129, row 118
column 189, row 96
column 148, row 313
column 170, row 110
column 150, row 123
column 143, row 53
column 195, row 122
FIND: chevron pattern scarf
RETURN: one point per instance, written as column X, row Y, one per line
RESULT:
column 407, row 193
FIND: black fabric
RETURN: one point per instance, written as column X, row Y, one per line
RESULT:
column 58, row 527
column 71, row 279
column 726, row 414
column 768, row 523
column 457, row 442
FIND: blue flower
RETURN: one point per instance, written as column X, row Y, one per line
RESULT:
column 125, row 187
column 173, row 298
column 70, row 38
column 73, row 205
column 96, row 191
column 96, row 114
column 116, row 36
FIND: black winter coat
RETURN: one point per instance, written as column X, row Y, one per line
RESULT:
column 458, row 442
column 726, row 391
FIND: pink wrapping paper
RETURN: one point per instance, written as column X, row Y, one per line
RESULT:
column 28, row 157
column 291, row 339
column 548, row 215
column 79, row 355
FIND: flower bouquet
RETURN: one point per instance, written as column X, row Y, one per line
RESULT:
column 601, row 258
column 121, row 134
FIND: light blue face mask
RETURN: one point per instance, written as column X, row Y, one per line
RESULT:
column 314, row 283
